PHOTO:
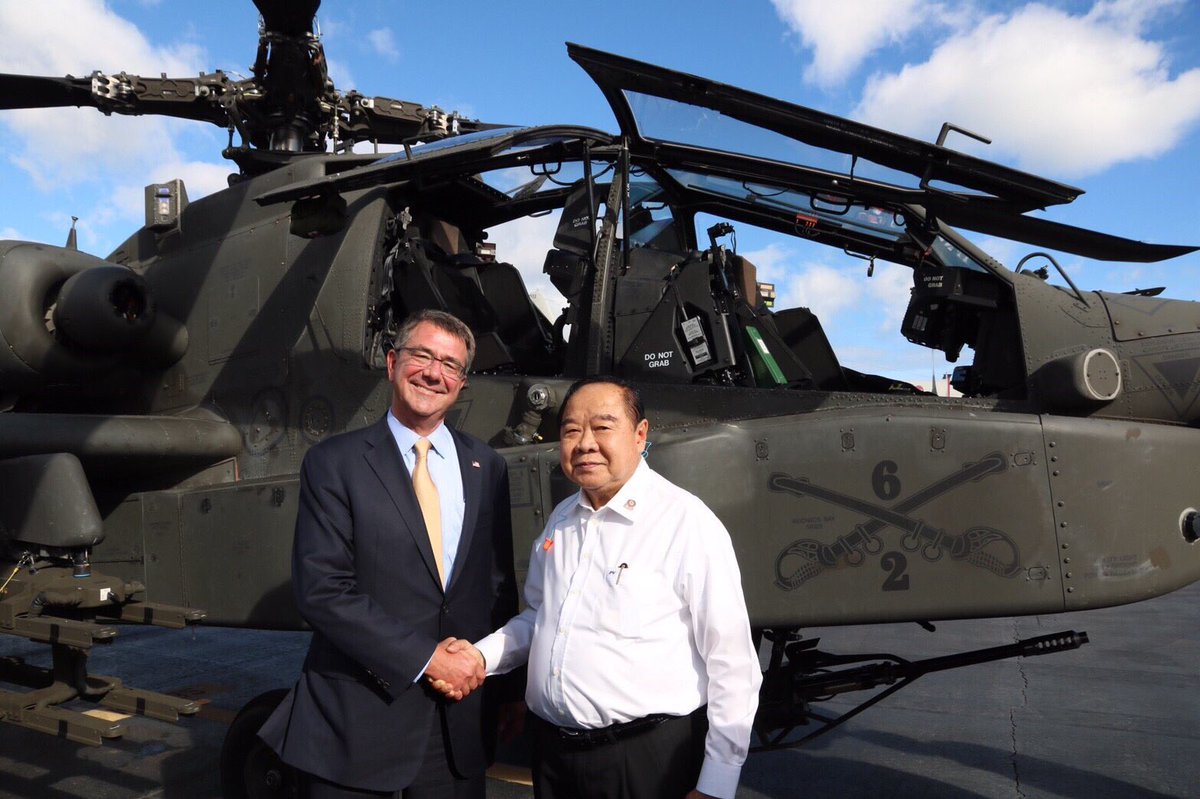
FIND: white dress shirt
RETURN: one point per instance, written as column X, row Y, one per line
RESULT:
column 633, row 609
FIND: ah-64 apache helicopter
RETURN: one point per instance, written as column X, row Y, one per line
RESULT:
column 158, row 402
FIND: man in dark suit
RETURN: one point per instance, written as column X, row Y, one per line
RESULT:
column 364, row 719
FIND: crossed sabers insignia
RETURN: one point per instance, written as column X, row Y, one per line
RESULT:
column 978, row 546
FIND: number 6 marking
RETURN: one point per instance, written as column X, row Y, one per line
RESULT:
column 884, row 480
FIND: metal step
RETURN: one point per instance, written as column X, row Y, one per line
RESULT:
column 55, row 630
column 29, row 599
column 175, row 617
column 59, row 722
column 163, row 707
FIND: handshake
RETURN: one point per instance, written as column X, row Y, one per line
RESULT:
column 456, row 669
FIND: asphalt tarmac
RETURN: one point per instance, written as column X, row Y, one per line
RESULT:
column 1116, row 719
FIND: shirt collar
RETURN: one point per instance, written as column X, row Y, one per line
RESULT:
column 629, row 499
column 406, row 437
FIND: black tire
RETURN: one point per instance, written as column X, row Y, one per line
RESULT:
column 249, row 768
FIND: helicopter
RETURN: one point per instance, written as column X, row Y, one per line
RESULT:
column 158, row 401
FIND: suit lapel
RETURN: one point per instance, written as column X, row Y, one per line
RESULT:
column 469, row 464
column 383, row 456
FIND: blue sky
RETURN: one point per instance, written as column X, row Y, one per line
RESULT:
column 1102, row 95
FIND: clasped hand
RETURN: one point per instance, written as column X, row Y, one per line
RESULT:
column 457, row 668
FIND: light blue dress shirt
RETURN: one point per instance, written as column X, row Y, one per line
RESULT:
column 444, row 469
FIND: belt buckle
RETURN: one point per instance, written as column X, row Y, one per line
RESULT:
column 585, row 739
column 604, row 736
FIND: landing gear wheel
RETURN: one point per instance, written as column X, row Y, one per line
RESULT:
column 249, row 768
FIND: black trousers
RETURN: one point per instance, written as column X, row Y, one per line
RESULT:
column 660, row 763
column 436, row 778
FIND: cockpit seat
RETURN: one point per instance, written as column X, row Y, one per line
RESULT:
column 800, row 330
column 434, row 269
column 518, row 322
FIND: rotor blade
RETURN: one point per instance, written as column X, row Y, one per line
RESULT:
column 390, row 121
column 289, row 17
column 32, row 91
column 196, row 98
column 974, row 215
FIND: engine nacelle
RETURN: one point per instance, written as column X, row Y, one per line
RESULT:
column 103, row 309
column 68, row 317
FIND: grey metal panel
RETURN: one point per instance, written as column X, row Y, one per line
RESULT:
column 529, row 472
column 228, row 313
column 124, row 553
column 236, row 544
column 164, row 559
column 1055, row 323
column 1119, row 490
column 972, row 489
column 1136, row 317
column 1162, row 378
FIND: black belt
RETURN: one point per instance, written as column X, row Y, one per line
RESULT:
column 586, row 739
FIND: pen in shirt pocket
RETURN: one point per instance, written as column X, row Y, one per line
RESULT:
column 614, row 576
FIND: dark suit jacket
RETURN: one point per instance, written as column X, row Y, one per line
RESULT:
column 365, row 581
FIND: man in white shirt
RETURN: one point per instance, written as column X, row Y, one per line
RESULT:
column 643, row 679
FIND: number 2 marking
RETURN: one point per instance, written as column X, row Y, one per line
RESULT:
column 895, row 564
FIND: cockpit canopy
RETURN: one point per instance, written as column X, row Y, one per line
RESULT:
column 655, row 294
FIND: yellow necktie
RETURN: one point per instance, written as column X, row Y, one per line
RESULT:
column 427, row 498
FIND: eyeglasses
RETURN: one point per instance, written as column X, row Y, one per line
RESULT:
column 423, row 358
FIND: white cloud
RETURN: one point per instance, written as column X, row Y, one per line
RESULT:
column 61, row 147
column 122, row 208
column 341, row 76
column 523, row 243
column 365, row 147
column 89, row 229
column 889, row 290
column 86, row 35
column 823, row 289
column 383, row 42
column 849, row 303
column 842, row 35
column 198, row 177
column 333, row 28
column 1006, row 251
column 898, row 360
column 1068, row 94
column 1131, row 13
column 860, row 315
column 827, row 291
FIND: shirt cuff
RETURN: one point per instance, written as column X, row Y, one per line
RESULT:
column 421, row 673
column 718, row 779
column 492, row 648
